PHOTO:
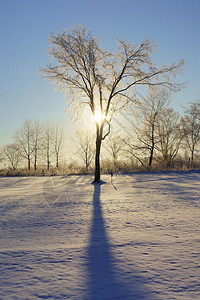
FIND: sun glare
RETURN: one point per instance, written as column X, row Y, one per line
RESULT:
column 98, row 116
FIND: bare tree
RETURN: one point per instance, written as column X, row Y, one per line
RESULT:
column 116, row 147
column 1, row 155
column 145, row 123
column 102, row 79
column 47, row 144
column 170, row 135
column 58, row 141
column 36, row 141
column 191, row 128
column 23, row 138
column 12, row 154
column 85, row 150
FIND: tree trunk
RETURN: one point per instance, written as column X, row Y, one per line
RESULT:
column 35, row 162
column 97, row 155
column 152, row 145
column 151, row 156
column 86, row 166
column 192, row 156
column 97, row 161
column 57, row 161
column 48, row 159
column 29, row 163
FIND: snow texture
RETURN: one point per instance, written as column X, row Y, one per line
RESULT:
column 136, row 237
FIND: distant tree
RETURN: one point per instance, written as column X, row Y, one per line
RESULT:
column 170, row 135
column 101, row 79
column 191, row 128
column 36, row 141
column 84, row 142
column 1, row 155
column 47, row 147
column 23, row 138
column 57, row 141
column 116, row 147
column 12, row 154
column 145, row 123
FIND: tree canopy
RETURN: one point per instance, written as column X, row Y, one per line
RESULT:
column 104, row 80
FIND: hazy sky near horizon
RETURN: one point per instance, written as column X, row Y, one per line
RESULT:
column 25, row 26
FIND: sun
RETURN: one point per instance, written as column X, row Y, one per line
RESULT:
column 98, row 116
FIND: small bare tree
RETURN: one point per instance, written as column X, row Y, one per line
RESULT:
column 58, row 141
column 36, row 141
column 102, row 79
column 12, row 154
column 191, row 128
column 116, row 147
column 145, row 124
column 1, row 155
column 84, row 142
column 23, row 138
column 170, row 135
column 47, row 144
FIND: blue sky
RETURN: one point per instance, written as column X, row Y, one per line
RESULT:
column 25, row 26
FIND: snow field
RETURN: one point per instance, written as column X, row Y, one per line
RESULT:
column 135, row 238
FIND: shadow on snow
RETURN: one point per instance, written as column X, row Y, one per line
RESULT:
column 103, row 278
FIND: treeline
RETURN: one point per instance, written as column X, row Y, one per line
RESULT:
column 149, row 136
column 35, row 144
column 158, row 136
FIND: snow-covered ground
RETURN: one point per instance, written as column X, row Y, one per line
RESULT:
column 135, row 238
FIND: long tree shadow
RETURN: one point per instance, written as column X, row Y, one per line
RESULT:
column 103, row 277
